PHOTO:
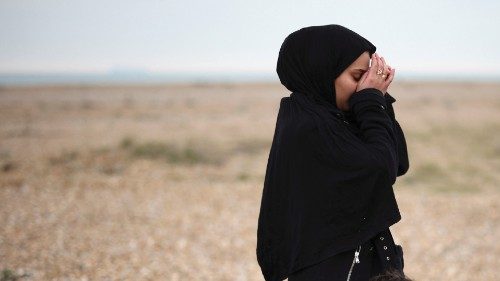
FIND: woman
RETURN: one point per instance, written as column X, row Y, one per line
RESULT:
column 328, row 202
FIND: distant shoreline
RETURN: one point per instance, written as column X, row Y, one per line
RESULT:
column 93, row 79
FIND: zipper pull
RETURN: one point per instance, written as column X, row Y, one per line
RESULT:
column 356, row 255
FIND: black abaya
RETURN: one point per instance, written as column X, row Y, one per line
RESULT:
column 329, row 175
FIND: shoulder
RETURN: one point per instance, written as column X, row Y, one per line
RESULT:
column 293, row 121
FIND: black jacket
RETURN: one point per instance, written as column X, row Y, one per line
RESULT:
column 328, row 183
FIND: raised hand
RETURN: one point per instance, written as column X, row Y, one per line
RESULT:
column 378, row 76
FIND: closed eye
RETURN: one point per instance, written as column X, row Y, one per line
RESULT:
column 358, row 73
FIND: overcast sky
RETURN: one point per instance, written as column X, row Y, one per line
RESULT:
column 427, row 37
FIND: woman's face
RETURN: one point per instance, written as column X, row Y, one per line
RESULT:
column 347, row 82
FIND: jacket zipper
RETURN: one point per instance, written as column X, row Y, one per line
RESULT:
column 355, row 260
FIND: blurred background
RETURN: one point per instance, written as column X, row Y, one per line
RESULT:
column 134, row 135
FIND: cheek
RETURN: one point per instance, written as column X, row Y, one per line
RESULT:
column 353, row 84
column 346, row 86
column 351, row 88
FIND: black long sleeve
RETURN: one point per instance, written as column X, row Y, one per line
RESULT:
column 377, row 128
column 403, row 161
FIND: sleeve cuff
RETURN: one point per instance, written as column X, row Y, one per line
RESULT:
column 368, row 95
column 389, row 99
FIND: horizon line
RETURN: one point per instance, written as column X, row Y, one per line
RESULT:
column 148, row 77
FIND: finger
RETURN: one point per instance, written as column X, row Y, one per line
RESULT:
column 363, row 77
column 374, row 65
column 374, row 60
column 380, row 66
column 384, row 67
column 391, row 75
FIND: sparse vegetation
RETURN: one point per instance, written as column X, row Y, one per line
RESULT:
column 65, row 157
column 429, row 172
column 10, row 275
column 191, row 151
column 170, row 152
column 252, row 146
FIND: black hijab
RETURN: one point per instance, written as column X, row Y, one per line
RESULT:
column 312, row 57
column 326, row 188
